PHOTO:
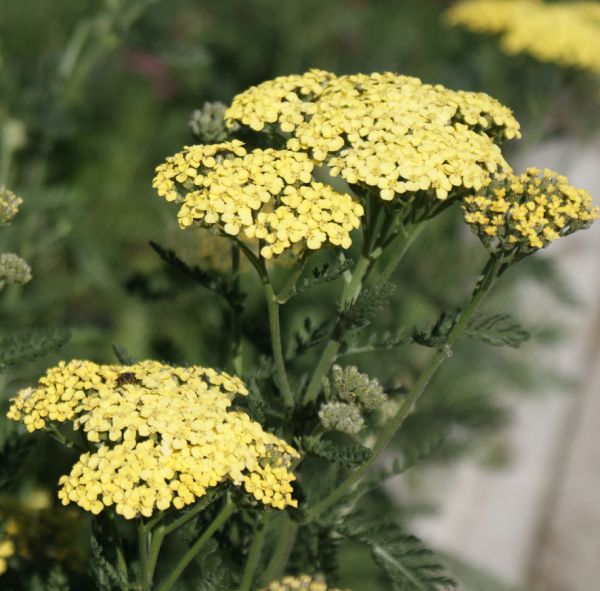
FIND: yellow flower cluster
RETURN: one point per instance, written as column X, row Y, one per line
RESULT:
column 9, row 205
column 299, row 583
column 7, row 549
column 529, row 211
column 268, row 195
column 565, row 33
column 161, row 436
column 389, row 132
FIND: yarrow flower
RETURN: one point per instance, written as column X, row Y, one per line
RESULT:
column 528, row 211
column 13, row 270
column 162, row 436
column 268, row 195
column 9, row 205
column 299, row 583
column 392, row 133
column 565, row 33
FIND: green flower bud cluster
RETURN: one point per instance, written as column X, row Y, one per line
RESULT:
column 350, row 394
column 352, row 386
column 298, row 583
column 341, row 416
column 208, row 123
column 13, row 270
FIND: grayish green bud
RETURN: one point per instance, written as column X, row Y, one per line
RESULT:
column 341, row 416
column 355, row 387
column 208, row 123
column 13, row 269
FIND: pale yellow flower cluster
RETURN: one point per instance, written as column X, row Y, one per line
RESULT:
column 389, row 132
column 565, row 33
column 161, row 436
column 299, row 583
column 529, row 211
column 268, row 195
column 9, row 205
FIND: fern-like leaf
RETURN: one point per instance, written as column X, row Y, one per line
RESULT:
column 30, row 344
column 408, row 564
column 497, row 330
column 362, row 311
column 207, row 279
column 325, row 273
column 349, row 456
column 106, row 577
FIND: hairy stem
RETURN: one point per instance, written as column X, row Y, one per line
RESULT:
column 255, row 550
column 285, row 543
column 197, row 546
column 273, row 308
column 146, row 580
column 236, row 321
column 483, row 287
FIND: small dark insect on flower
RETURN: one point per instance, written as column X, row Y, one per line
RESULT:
column 127, row 377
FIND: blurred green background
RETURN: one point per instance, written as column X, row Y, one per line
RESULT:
column 93, row 95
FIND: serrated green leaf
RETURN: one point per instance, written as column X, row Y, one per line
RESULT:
column 106, row 576
column 30, row 344
column 311, row 337
column 437, row 334
column 325, row 273
column 210, row 280
column 409, row 459
column 362, row 311
column 497, row 330
column 123, row 355
column 349, row 456
column 408, row 564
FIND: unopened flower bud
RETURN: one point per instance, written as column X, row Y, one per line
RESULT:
column 208, row 123
column 13, row 269
column 341, row 416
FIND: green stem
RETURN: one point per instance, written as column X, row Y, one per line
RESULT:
column 328, row 356
column 189, row 515
column 255, row 550
column 120, row 551
column 289, row 288
column 483, row 287
column 145, row 582
column 285, row 544
column 197, row 546
column 236, row 321
column 398, row 248
column 158, row 535
column 273, row 308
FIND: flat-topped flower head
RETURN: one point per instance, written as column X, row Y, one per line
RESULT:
column 565, row 33
column 299, row 583
column 284, row 100
column 267, row 196
column 526, row 212
column 392, row 133
column 160, row 436
column 176, row 176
